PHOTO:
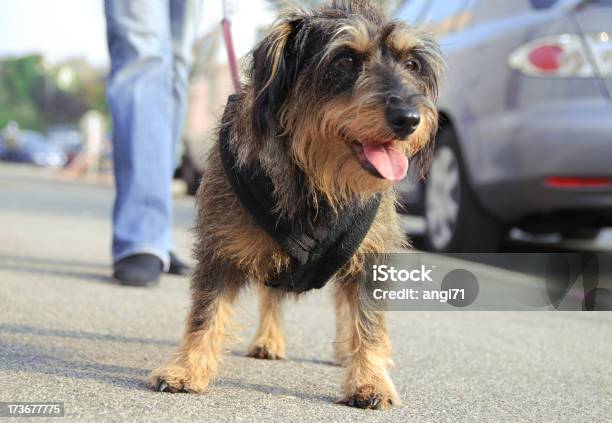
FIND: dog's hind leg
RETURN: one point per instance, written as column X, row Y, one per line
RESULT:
column 365, row 350
column 269, row 342
column 194, row 366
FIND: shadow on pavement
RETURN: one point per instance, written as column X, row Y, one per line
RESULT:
column 312, row 360
column 51, row 271
column 29, row 358
column 518, row 249
column 274, row 390
column 61, row 333
column 29, row 260
column 293, row 359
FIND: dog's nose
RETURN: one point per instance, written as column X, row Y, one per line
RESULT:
column 403, row 120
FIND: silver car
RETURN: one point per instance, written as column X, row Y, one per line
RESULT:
column 526, row 121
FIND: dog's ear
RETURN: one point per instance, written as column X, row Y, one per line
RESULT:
column 276, row 63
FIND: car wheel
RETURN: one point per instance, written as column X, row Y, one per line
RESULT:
column 454, row 221
column 585, row 233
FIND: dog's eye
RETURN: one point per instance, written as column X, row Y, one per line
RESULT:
column 345, row 62
column 412, row 65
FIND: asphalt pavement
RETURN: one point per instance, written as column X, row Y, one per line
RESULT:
column 69, row 333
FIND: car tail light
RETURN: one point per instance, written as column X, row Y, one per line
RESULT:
column 578, row 182
column 566, row 56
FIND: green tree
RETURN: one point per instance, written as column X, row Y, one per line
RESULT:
column 35, row 95
column 19, row 79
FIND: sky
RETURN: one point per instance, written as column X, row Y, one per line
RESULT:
column 60, row 29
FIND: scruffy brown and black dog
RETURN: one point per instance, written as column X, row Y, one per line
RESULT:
column 300, row 187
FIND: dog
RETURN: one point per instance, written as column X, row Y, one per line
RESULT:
column 338, row 102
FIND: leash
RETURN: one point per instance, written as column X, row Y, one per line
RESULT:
column 226, row 26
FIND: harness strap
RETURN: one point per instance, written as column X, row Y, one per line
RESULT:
column 319, row 241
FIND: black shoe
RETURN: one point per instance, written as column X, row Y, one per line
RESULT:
column 177, row 267
column 138, row 270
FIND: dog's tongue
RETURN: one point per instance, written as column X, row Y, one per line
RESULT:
column 388, row 161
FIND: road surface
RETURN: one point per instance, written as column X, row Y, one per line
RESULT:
column 69, row 333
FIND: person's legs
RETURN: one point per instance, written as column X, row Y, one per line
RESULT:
column 139, row 93
column 184, row 20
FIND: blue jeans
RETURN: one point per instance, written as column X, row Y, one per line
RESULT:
column 150, row 45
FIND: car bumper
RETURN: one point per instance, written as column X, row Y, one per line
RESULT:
column 566, row 140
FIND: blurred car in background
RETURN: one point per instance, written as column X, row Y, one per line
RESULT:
column 525, row 137
column 67, row 138
column 32, row 147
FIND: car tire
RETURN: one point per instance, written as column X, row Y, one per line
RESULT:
column 454, row 221
column 584, row 234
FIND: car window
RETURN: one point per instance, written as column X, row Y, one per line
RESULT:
column 543, row 4
column 410, row 10
column 441, row 11
column 438, row 16
column 445, row 16
column 500, row 9
column 547, row 4
column 32, row 140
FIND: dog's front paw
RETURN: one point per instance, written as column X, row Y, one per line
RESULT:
column 266, row 352
column 368, row 396
column 174, row 378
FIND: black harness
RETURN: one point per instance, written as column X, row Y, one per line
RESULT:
column 319, row 241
